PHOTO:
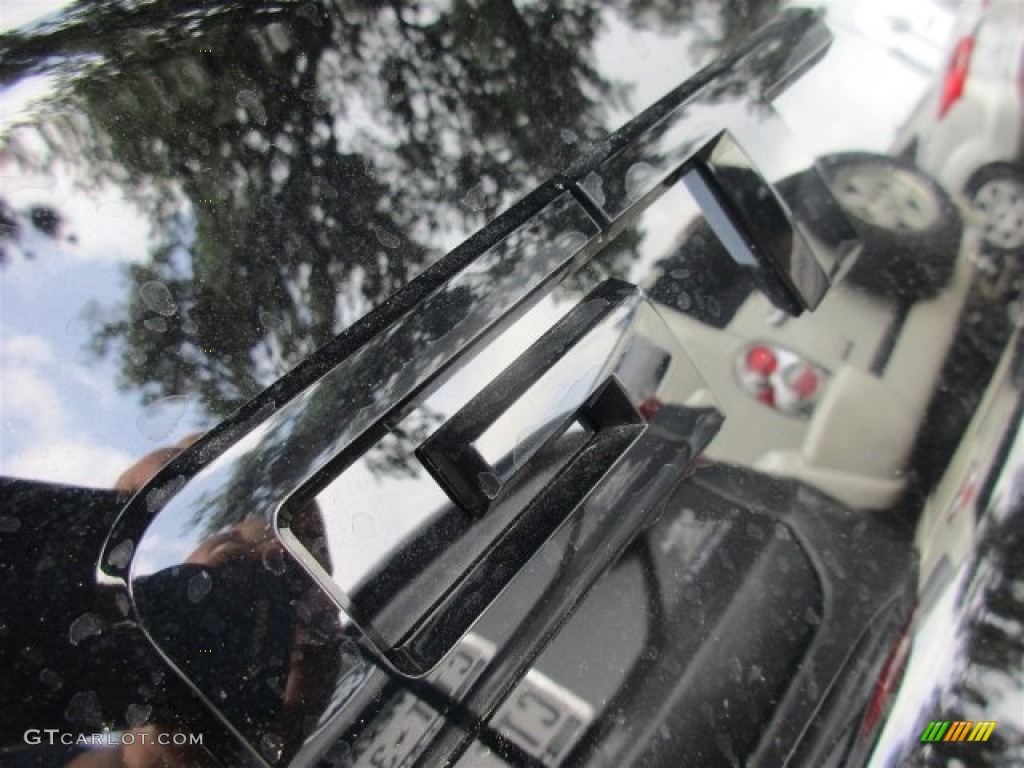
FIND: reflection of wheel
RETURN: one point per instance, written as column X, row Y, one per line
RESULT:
column 997, row 193
column 909, row 226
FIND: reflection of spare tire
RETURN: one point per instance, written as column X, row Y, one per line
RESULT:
column 997, row 194
column 909, row 226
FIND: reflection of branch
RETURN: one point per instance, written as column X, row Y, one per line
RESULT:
column 993, row 659
column 404, row 25
column 517, row 24
column 261, row 278
column 77, row 32
column 394, row 454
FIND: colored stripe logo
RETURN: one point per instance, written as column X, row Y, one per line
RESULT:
column 958, row 730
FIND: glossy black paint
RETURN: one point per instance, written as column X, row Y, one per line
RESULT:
column 619, row 576
column 366, row 387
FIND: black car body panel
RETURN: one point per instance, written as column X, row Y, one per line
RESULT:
column 416, row 504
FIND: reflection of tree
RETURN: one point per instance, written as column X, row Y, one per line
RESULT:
column 13, row 223
column 994, row 645
column 297, row 441
column 261, row 480
column 299, row 162
column 718, row 25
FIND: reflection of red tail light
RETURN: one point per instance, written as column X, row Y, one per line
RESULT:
column 762, row 360
column 781, row 379
column 956, row 75
column 649, row 407
column 803, row 379
column 887, row 685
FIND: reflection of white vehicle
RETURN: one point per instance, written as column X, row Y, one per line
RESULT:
column 836, row 397
column 967, row 519
column 947, row 530
column 969, row 130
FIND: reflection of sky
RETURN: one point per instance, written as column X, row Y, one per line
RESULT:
column 652, row 64
column 18, row 99
column 17, row 13
column 860, row 94
column 366, row 515
column 62, row 420
column 552, row 395
column 663, row 224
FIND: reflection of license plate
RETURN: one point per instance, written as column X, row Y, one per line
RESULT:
column 540, row 716
column 398, row 735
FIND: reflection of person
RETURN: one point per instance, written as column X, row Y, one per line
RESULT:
column 143, row 470
column 231, row 618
